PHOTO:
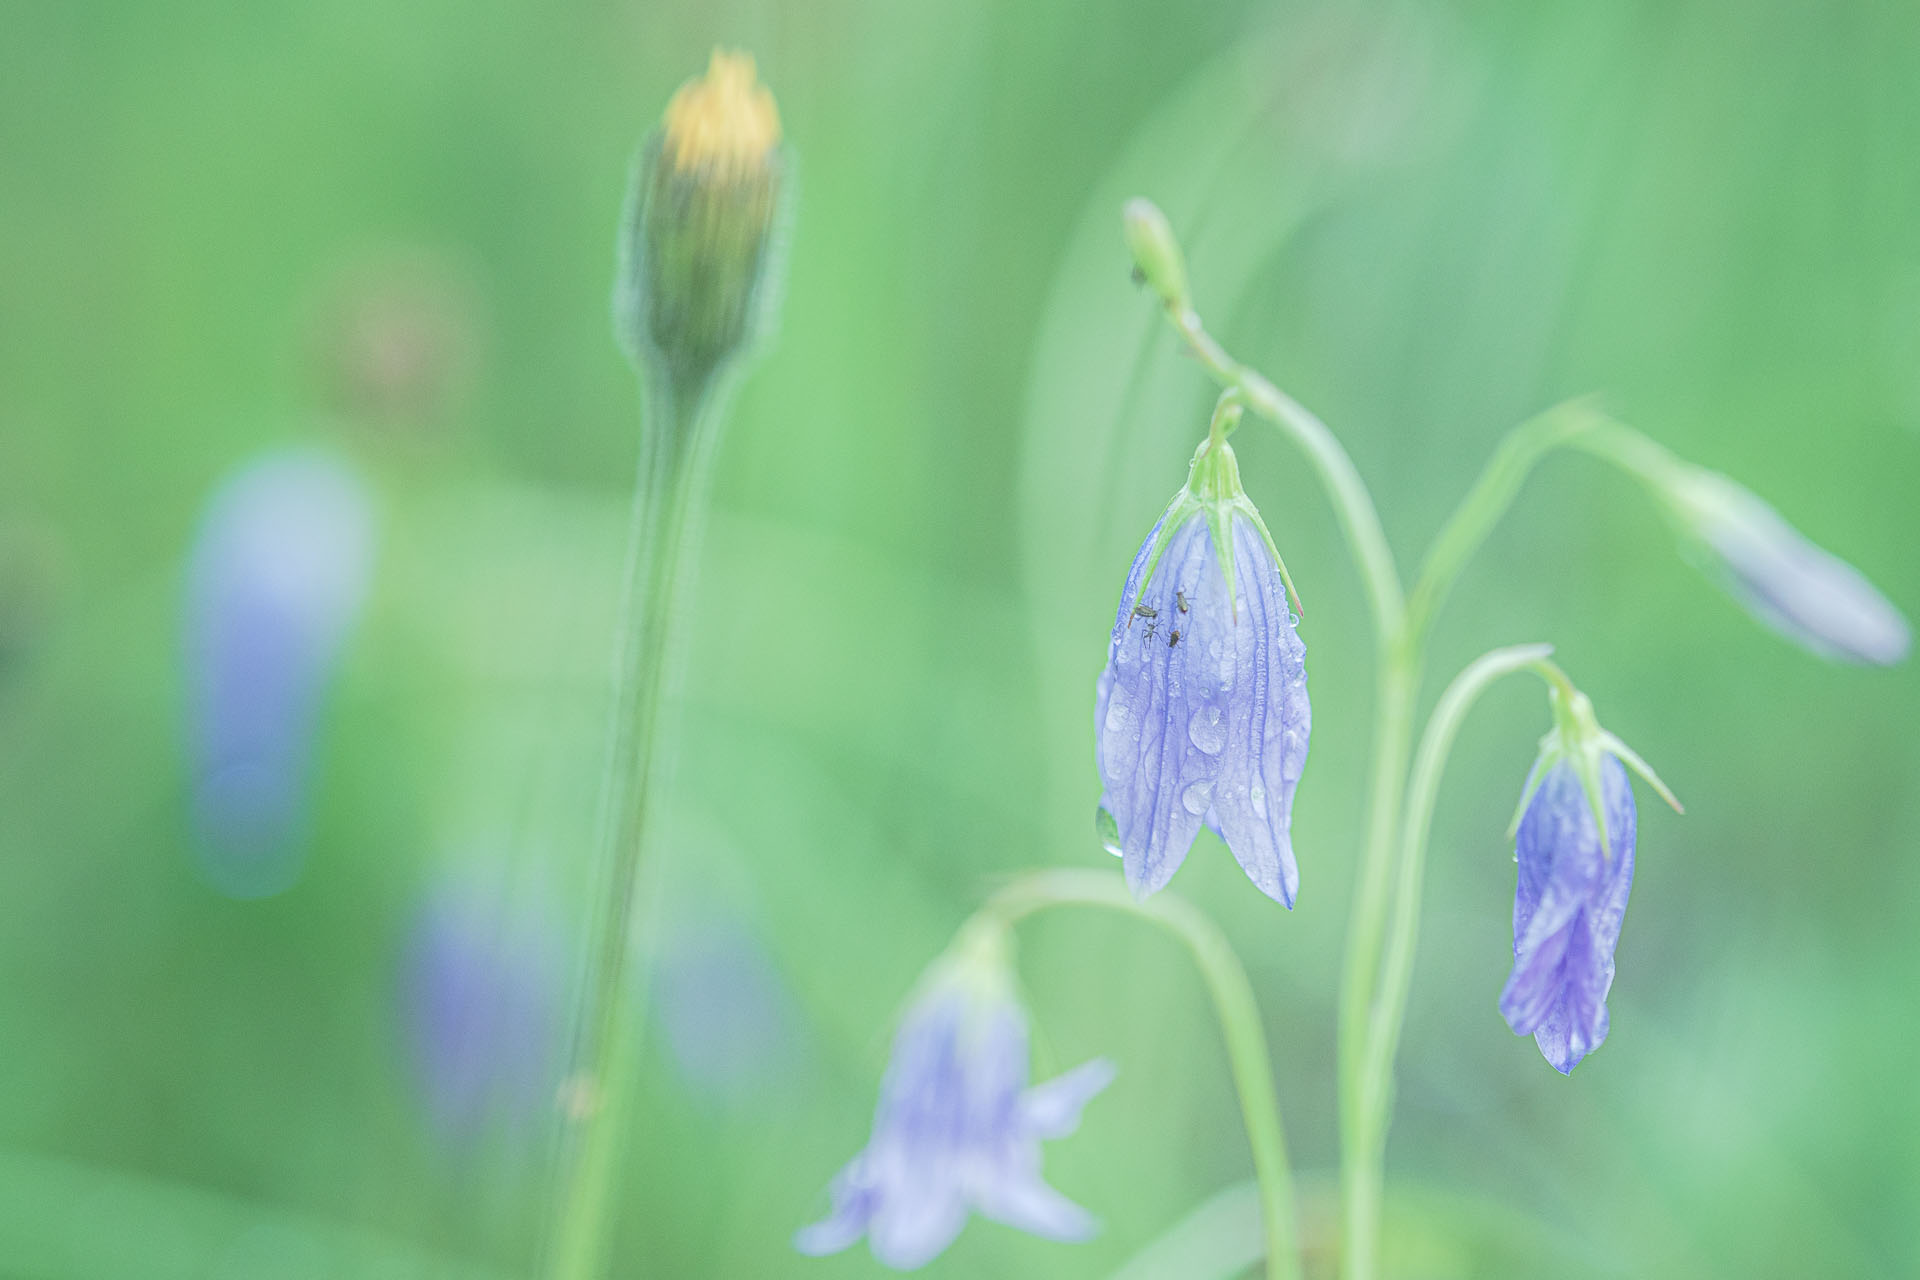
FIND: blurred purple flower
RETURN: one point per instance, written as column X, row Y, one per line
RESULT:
column 1802, row 591
column 957, row 1129
column 1202, row 713
column 730, row 1023
column 1567, row 910
column 480, row 984
column 275, row 581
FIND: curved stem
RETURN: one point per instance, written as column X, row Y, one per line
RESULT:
column 1389, row 1012
column 1399, row 673
column 1351, row 500
column 1576, row 424
column 1246, row 1040
column 1487, row 501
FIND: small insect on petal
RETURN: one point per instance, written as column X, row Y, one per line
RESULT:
column 1210, row 727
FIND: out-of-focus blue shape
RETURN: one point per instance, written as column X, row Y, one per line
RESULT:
column 480, row 988
column 958, row 1129
column 275, row 582
column 730, row 1023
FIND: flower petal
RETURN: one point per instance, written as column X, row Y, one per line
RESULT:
column 854, row 1200
column 1052, row 1110
column 1157, row 777
column 1569, row 902
column 1268, row 723
column 917, row 1220
column 1029, row 1204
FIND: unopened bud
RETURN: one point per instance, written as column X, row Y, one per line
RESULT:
column 1156, row 254
column 699, row 224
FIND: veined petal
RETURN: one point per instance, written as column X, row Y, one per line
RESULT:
column 1569, row 902
column 1263, row 676
column 1155, row 719
column 1539, row 977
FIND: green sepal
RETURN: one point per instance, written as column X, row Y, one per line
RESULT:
column 1213, row 490
column 1549, row 756
column 1631, row 758
column 1580, row 743
column 1578, row 739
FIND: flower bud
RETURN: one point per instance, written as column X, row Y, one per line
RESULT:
column 1800, row 590
column 1156, row 254
column 700, row 220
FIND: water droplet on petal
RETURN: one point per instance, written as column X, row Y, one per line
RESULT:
column 1197, row 797
column 1207, row 730
column 1257, row 798
column 1107, row 830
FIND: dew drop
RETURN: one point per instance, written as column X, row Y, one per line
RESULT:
column 1257, row 798
column 1207, row 731
column 1197, row 797
column 1107, row 830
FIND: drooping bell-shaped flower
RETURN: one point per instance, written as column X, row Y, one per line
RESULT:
column 276, row 579
column 957, row 1128
column 1202, row 715
column 1807, row 594
column 1574, row 846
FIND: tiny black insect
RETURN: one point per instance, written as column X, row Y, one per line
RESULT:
column 1173, row 640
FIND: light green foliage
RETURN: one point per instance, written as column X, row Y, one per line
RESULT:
column 1426, row 222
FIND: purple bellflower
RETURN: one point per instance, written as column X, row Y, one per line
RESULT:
column 1808, row 595
column 1567, row 912
column 1202, row 715
column 957, row 1128
column 275, row 582
column 1575, row 835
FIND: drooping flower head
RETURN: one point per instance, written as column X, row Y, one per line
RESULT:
column 275, row 581
column 957, row 1128
column 1574, row 847
column 1202, row 715
column 1805, row 593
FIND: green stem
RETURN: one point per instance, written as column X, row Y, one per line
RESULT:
column 1576, row 424
column 670, row 495
column 1389, row 1013
column 1351, row 501
column 1240, row 1026
column 1399, row 673
column 1362, row 1171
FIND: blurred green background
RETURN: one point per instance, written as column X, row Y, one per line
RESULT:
column 387, row 228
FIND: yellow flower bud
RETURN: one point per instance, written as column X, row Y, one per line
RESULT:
column 699, row 227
